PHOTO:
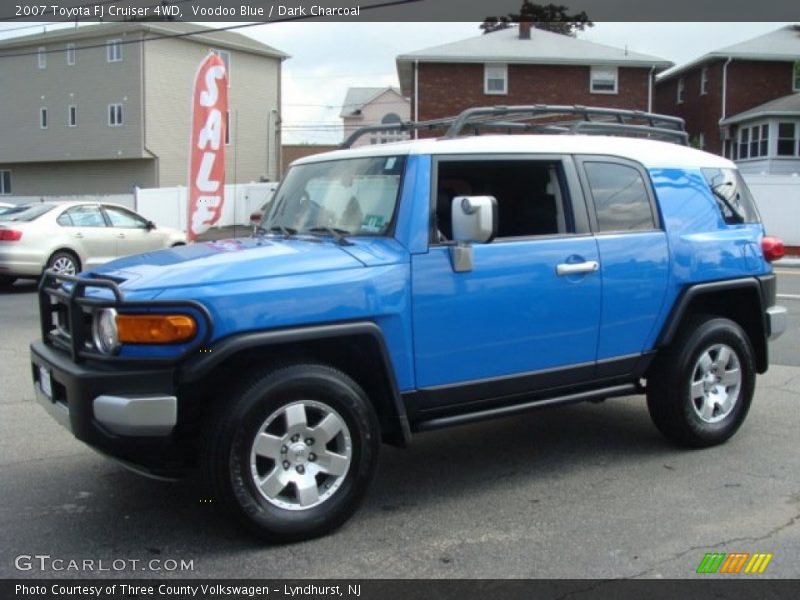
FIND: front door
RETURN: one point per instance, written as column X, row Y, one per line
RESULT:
column 530, row 307
column 87, row 228
column 132, row 232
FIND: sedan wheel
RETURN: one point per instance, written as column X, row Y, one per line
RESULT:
column 63, row 263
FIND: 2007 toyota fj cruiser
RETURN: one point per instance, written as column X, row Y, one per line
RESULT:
column 406, row 287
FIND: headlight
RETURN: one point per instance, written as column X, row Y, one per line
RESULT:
column 104, row 331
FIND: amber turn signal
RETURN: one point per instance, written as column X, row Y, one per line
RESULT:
column 155, row 329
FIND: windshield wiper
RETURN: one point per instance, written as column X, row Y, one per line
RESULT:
column 337, row 233
column 287, row 232
column 739, row 217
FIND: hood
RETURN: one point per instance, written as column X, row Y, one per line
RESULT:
column 225, row 261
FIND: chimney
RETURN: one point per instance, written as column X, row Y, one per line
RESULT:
column 524, row 30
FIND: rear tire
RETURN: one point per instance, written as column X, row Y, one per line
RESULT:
column 292, row 455
column 700, row 388
column 64, row 262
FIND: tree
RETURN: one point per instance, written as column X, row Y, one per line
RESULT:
column 549, row 17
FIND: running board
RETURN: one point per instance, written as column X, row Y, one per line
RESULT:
column 505, row 411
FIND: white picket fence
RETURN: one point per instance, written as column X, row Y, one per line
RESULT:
column 168, row 206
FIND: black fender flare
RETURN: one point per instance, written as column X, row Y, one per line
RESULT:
column 764, row 288
column 194, row 369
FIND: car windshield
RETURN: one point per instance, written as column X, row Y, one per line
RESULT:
column 354, row 196
column 25, row 212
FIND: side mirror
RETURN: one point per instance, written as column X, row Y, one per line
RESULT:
column 150, row 226
column 474, row 219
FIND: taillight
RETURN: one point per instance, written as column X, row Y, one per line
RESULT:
column 10, row 235
column 772, row 248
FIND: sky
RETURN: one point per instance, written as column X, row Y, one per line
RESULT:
column 328, row 58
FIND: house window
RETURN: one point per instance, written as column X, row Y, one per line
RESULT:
column 5, row 182
column 392, row 135
column 115, row 115
column 43, row 118
column 744, row 142
column 704, row 81
column 42, row 57
column 227, row 128
column 70, row 54
column 754, row 141
column 681, row 86
column 796, row 76
column 495, row 79
column 226, row 58
column 72, row 115
column 788, row 143
column 603, row 80
column 113, row 50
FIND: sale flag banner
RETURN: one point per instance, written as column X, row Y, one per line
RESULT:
column 207, row 151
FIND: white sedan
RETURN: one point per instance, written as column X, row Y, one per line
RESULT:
column 69, row 237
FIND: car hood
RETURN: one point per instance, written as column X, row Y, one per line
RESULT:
column 225, row 261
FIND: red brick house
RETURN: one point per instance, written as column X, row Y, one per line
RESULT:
column 521, row 65
column 710, row 91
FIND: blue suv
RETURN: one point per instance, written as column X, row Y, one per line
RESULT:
column 402, row 288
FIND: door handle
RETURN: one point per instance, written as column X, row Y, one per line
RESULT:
column 121, row 236
column 78, row 235
column 590, row 266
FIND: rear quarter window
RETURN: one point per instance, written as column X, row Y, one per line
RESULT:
column 733, row 198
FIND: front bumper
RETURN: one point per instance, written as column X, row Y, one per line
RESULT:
column 127, row 413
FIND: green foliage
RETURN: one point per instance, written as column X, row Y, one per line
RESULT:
column 549, row 17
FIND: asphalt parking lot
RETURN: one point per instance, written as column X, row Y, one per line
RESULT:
column 583, row 491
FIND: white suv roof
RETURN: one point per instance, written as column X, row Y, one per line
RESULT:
column 650, row 153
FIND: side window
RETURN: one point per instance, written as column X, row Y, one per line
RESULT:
column 531, row 198
column 82, row 216
column 120, row 217
column 620, row 197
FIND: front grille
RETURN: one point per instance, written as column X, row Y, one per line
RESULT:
column 66, row 316
column 66, row 312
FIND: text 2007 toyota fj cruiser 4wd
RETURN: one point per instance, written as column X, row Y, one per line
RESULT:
column 407, row 287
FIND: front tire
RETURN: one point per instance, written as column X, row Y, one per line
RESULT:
column 293, row 454
column 699, row 391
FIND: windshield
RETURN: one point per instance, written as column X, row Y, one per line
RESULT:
column 24, row 212
column 354, row 196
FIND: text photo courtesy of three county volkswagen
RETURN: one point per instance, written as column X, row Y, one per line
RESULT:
column 352, row 299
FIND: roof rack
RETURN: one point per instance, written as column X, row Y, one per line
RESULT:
column 545, row 118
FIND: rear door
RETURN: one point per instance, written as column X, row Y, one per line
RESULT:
column 634, row 257
column 527, row 315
